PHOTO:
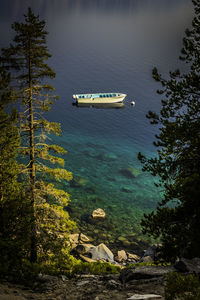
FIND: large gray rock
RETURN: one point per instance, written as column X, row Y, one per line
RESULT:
column 101, row 252
column 146, row 272
column 151, row 252
column 94, row 253
column 188, row 265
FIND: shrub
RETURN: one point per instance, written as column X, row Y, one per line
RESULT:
column 182, row 287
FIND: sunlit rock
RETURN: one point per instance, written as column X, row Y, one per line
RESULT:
column 133, row 257
column 101, row 252
column 77, row 238
column 98, row 213
column 121, row 256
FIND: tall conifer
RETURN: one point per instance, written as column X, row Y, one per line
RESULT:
column 25, row 58
column 178, row 147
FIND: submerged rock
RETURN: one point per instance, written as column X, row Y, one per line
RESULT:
column 121, row 238
column 78, row 182
column 130, row 172
column 98, row 213
column 127, row 189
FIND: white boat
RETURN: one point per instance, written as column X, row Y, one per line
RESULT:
column 99, row 98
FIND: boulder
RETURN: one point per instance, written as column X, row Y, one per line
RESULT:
column 82, row 249
column 101, row 252
column 90, row 253
column 152, row 252
column 146, row 259
column 145, row 297
column 121, row 256
column 98, row 213
column 133, row 257
column 144, row 272
column 188, row 265
column 77, row 238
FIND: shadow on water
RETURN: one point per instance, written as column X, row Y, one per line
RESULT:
column 99, row 105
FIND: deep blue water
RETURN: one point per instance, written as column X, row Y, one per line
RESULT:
column 107, row 46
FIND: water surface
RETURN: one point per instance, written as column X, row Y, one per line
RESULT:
column 107, row 46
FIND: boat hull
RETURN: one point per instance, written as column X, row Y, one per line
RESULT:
column 119, row 98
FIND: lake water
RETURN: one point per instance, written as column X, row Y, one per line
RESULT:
column 107, row 46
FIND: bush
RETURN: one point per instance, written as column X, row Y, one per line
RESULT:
column 70, row 266
column 182, row 287
column 96, row 268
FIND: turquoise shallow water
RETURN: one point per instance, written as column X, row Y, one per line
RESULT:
column 112, row 46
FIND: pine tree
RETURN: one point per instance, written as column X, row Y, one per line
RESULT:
column 14, row 232
column 177, row 219
column 25, row 58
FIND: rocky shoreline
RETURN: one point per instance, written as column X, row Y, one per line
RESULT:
column 141, row 283
column 82, row 249
column 134, row 282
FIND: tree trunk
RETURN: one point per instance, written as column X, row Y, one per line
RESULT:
column 33, row 252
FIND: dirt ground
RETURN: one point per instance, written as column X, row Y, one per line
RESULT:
column 84, row 287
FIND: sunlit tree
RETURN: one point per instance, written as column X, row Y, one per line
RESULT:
column 26, row 60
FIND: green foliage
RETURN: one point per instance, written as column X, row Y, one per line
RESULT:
column 14, row 231
column 184, row 287
column 47, row 221
column 152, row 264
column 97, row 268
column 177, row 163
column 67, row 265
